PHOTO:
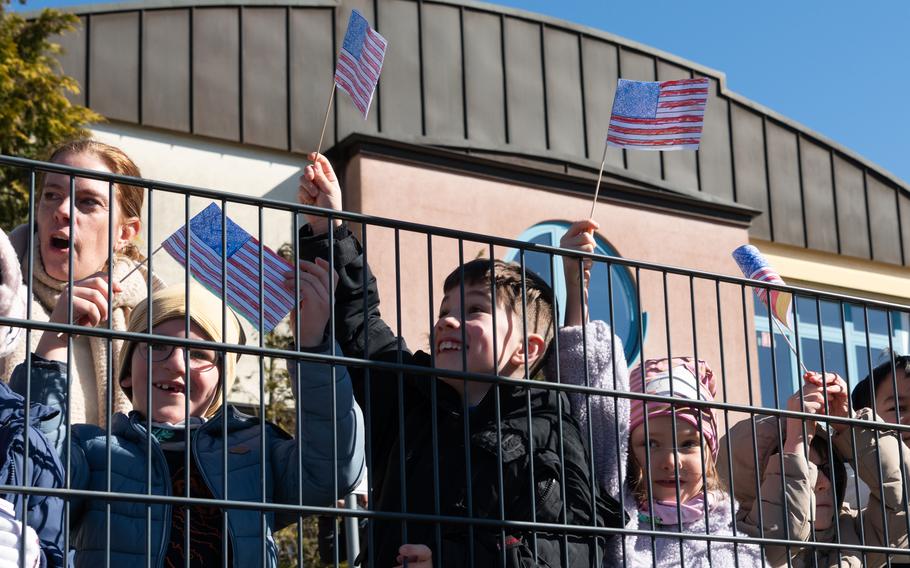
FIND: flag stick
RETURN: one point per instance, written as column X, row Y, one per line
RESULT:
column 599, row 178
column 138, row 266
column 787, row 339
column 128, row 274
column 325, row 121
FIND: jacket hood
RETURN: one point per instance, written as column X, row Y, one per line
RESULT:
column 12, row 406
column 767, row 443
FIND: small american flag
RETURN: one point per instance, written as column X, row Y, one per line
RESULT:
column 242, row 253
column 756, row 267
column 360, row 62
column 666, row 115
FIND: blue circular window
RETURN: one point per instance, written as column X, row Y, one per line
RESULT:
column 626, row 321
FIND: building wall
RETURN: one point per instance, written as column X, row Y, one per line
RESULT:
column 382, row 187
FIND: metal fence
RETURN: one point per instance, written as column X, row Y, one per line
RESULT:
column 117, row 481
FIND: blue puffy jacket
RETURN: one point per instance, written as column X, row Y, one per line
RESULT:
column 45, row 512
column 311, row 461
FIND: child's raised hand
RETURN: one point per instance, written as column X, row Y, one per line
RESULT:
column 837, row 392
column 319, row 186
column 580, row 237
column 817, row 391
column 414, row 556
column 315, row 308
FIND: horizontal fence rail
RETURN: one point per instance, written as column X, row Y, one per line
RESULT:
column 533, row 418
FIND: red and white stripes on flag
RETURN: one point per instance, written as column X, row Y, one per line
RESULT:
column 239, row 252
column 360, row 62
column 666, row 115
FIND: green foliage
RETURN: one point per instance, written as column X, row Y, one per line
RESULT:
column 35, row 114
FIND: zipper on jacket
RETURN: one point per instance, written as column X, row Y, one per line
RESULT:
column 205, row 478
column 543, row 494
column 168, row 509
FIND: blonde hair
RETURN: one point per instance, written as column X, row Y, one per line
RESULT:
column 129, row 197
column 638, row 481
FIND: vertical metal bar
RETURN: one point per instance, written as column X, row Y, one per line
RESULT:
column 69, row 344
column 187, row 450
column 562, row 453
column 592, row 470
column 225, row 527
column 755, row 457
column 623, row 479
column 500, row 482
column 700, row 420
column 109, row 363
column 833, row 480
column 368, row 399
column 298, row 411
column 881, row 487
column 465, row 406
column 402, row 462
column 723, row 380
column 434, row 400
column 777, row 405
column 682, row 559
column 148, row 394
column 26, row 478
column 335, row 489
column 263, row 525
column 524, row 329
column 642, row 359
column 856, row 480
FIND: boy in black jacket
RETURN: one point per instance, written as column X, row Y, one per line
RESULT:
column 454, row 447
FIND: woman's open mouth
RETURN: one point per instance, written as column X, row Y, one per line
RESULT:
column 60, row 243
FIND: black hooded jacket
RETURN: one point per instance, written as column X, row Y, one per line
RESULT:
column 417, row 429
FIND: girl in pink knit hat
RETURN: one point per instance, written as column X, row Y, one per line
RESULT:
column 646, row 485
column 672, row 471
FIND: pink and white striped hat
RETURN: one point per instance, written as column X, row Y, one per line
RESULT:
column 687, row 381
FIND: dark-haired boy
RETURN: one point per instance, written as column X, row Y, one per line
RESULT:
column 524, row 459
column 879, row 386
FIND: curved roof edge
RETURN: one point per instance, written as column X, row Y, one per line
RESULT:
column 100, row 8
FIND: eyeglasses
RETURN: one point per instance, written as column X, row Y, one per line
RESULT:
column 200, row 359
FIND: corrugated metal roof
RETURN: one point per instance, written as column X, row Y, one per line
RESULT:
column 476, row 77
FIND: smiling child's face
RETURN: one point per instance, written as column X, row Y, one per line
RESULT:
column 670, row 460
column 170, row 375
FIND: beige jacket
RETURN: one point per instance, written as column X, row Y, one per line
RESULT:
column 794, row 485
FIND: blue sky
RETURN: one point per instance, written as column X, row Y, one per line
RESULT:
column 839, row 67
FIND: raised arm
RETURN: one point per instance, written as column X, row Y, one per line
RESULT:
column 604, row 368
column 359, row 327
column 579, row 236
column 332, row 450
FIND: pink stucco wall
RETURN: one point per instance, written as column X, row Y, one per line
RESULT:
column 385, row 188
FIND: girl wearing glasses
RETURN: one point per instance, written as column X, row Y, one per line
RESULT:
column 189, row 451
